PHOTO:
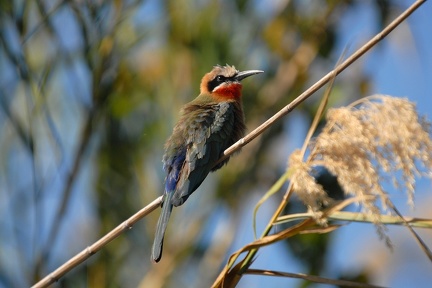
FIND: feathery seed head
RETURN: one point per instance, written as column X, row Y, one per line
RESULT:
column 364, row 146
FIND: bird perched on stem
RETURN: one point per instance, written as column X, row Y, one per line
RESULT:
column 207, row 126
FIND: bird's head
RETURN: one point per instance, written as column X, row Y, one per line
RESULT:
column 223, row 82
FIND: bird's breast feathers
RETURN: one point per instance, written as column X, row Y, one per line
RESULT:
column 228, row 91
column 203, row 132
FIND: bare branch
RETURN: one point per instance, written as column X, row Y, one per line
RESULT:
column 219, row 282
column 312, row 278
column 98, row 245
column 324, row 80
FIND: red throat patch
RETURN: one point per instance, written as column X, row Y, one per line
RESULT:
column 231, row 91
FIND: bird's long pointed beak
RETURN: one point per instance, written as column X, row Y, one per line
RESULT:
column 243, row 74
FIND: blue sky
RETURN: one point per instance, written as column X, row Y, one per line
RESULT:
column 401, row 65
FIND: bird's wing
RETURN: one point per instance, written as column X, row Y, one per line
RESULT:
column 207, row 132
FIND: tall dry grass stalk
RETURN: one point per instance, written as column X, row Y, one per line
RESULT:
column 373, row 141
column 376, row 140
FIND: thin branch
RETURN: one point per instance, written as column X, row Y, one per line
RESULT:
column 361, row 218
column 312, row 278
column 324, row 80
column 98, row 245
column 219, row 282
column 422, row 244
column 104, row 75
column 45, row 17
column 67, row 191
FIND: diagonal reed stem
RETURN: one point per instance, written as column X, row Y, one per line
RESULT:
column 247, row 261
column 86, row 253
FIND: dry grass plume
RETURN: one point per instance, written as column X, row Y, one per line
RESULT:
column 373, row 141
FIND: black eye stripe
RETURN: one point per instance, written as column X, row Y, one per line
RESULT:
column 219, row 79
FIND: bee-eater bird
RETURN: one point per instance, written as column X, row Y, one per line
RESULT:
column 207, row 126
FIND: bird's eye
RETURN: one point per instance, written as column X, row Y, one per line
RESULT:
column 217, row 81
column 220, row 78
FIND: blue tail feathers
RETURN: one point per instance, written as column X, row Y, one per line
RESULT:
column 161, row 227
